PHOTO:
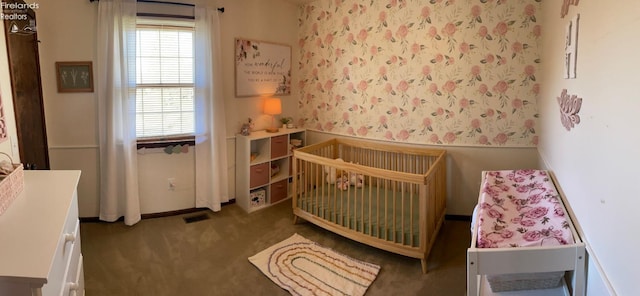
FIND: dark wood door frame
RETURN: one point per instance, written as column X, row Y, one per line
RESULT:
column 24, row 66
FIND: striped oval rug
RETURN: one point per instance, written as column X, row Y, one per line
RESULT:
column 303, row 267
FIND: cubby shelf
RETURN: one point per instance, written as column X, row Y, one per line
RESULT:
column 258, row 156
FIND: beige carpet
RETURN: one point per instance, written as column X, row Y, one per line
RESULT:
column 166, row 256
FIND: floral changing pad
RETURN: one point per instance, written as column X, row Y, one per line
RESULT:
column 521, row 208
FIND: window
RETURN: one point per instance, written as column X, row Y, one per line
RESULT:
column 164, row 81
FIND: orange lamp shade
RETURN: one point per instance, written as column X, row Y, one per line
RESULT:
column 272, row 106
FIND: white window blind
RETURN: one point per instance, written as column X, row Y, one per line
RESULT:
column 164, row 81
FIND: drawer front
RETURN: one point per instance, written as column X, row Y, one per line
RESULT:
column 67, row 242
column 74, row 281
column 80, row 278
column 259, row 175
column 279, row 146
column 279, row 190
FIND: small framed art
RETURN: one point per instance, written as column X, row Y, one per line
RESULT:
column 74, row 76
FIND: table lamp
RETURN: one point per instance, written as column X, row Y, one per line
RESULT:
column 272, row 106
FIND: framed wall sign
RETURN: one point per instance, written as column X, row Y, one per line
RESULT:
column 74, row 76
column 571, row 48
column 262, row 68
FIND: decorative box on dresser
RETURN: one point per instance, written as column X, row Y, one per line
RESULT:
column 40, row 238
column 263, row 167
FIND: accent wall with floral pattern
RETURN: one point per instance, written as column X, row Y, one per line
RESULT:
column 456, row 72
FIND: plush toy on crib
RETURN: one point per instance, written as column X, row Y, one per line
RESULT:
column 356, row 180
column 330, row 173
column 343, row 183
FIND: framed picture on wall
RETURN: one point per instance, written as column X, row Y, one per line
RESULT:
column 262, row 68
column 571, row 48
column 74, row 76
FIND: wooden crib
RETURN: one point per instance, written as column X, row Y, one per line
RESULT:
column 388, row 196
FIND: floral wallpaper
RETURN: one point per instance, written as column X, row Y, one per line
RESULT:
column 449, row 72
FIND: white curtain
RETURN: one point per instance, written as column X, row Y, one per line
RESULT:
column 211, row 148
column 116, row 111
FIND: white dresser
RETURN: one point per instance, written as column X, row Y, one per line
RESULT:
column 40, row 238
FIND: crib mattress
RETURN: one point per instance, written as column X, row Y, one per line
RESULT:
column 386, row 215
column 520, row 208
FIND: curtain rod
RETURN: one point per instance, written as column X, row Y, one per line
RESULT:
column 221, row 9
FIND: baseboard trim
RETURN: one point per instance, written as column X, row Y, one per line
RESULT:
column 156, row 215
column 457, row 217
column 194, row 210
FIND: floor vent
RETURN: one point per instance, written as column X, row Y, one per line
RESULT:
column 196, row 218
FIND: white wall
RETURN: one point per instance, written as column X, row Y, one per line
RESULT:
column 273, row 21
column 597, row 162
column 67, row 29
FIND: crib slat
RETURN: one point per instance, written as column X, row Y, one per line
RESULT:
column 412, row 196
column 370, row 219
